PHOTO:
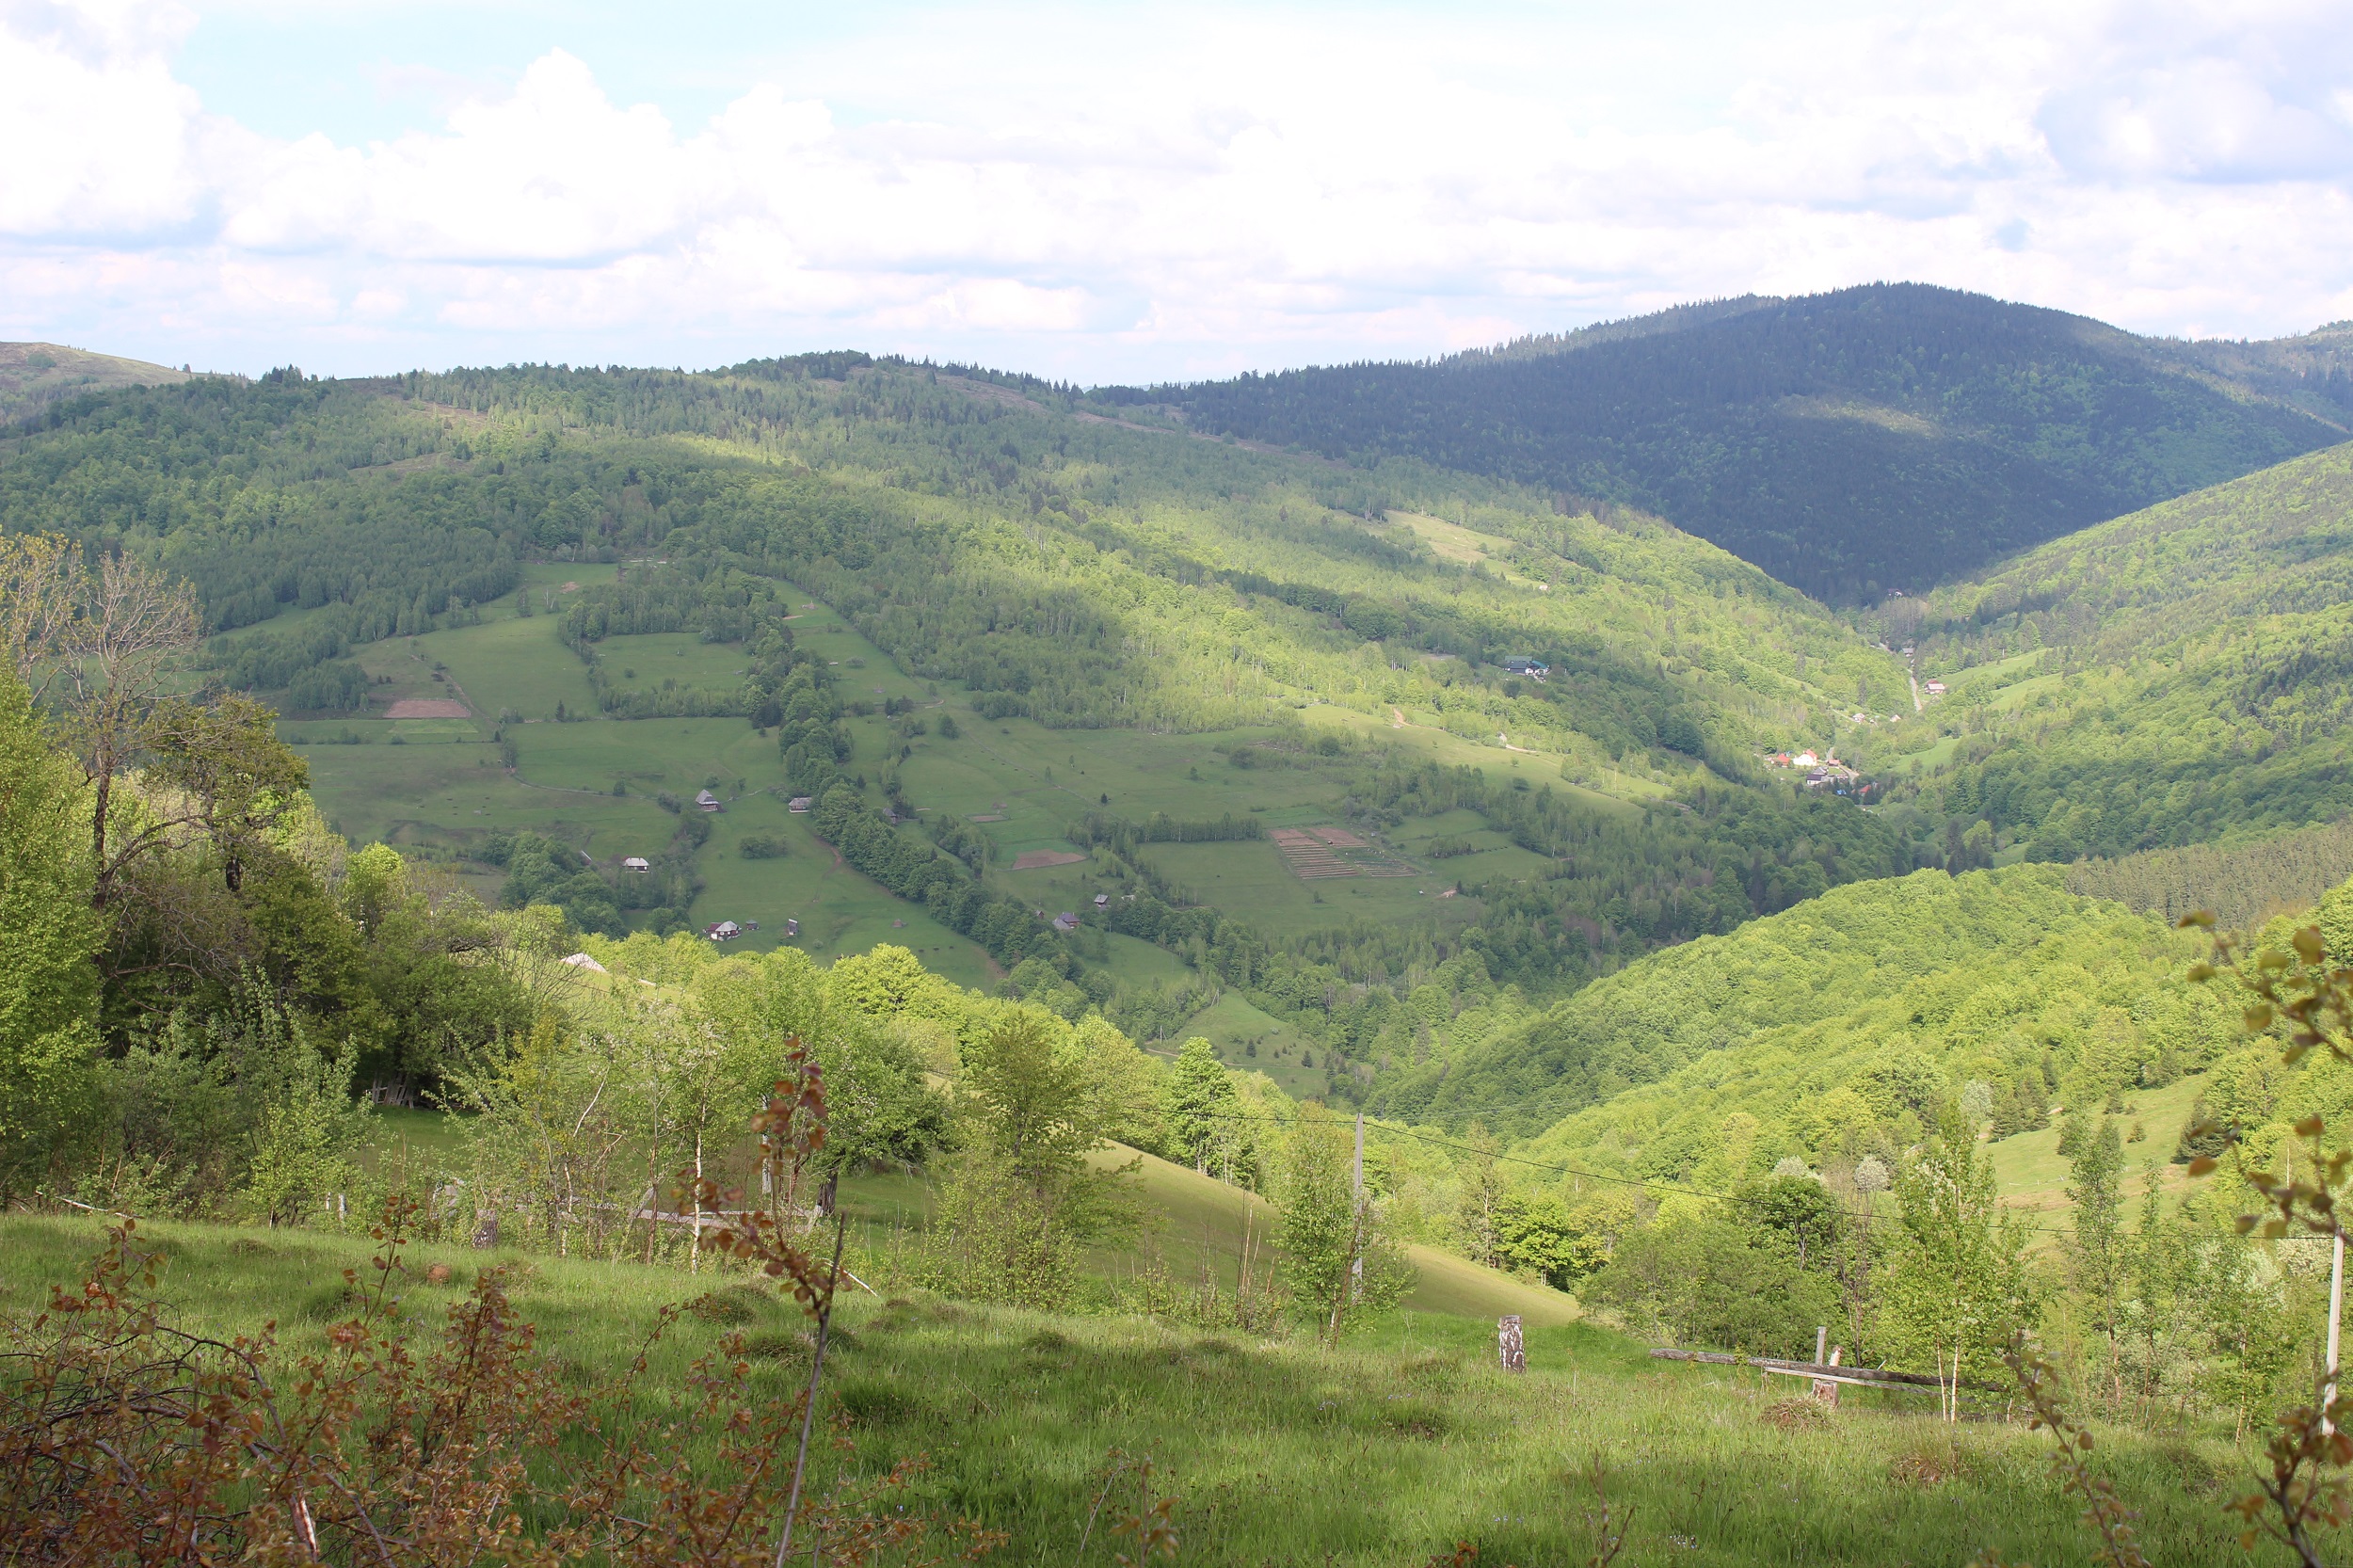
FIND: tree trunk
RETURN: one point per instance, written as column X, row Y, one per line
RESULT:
column 695, row 1258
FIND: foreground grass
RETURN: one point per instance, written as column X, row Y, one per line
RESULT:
column 1387, row 1451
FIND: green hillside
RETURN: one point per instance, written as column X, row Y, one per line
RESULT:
column 2169, row 678
column 1074, row 657
column 1827, row 1026
column 1887, row 437
column 1929, row 980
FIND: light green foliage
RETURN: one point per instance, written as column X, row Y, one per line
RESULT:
column 1955, row 1286
column 2336, row 921
column 1201, row 1104
column 1543, row 1236
column 244, row 1109
column 855, row 1021
column 1033, row 1099
column 1703, row 1280
column 306, row 1128
column 2095, row 1187
column 1841, row 1025
column 1338, row 1258
column 48, row 936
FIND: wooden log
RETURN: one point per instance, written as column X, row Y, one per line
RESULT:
column 1822, row 1380
column 1809, row 1369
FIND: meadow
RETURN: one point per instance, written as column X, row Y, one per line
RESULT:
column 1391, row 1450
column 438, row 786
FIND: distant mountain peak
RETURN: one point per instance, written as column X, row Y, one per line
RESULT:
column 1886, row 436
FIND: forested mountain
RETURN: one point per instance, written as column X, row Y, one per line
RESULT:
column 1875, row 439
column 2171, row 677
column 1337, row 633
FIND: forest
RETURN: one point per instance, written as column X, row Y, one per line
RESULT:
column 1882, row 437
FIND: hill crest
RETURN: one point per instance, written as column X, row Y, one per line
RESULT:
column 34, row 374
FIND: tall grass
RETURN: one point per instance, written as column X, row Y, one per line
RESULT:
column 1389, row 1450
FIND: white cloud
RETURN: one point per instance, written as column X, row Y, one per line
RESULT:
column 1103, row 194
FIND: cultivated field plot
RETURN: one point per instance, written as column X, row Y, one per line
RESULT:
column 1251, row 879
column 1314, row 853
column 509, row 665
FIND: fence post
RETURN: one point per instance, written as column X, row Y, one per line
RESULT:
column 1825, row 1391
column 1508, row 1343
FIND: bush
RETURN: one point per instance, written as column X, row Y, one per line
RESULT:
column 1703, row 1282
column 760, row 846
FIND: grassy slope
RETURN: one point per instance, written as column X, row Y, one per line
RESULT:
column 35, row 374
column 1196, row 1218
column 1384, row 1453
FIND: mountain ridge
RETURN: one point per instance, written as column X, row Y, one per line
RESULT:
column 1884, row 437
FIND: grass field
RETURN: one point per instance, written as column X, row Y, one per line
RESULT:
column 1255, row 1041
column 2033, row 1177
column 1387, row 1451
column 438, row 783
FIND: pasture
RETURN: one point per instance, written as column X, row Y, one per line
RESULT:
column 1387, row 1451
column 437, row 783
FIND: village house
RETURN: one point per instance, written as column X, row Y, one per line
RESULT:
column 636, row 863
column 798, row 803
column 1936, row 688
column 705, row 799
column 1065, row 922
column 1102, row 900
column 1528, row 667
column 725, row 931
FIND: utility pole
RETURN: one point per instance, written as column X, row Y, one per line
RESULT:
column 2336, row 1311
column 1356, row 1264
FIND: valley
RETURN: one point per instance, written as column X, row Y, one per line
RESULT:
column 1226, row 920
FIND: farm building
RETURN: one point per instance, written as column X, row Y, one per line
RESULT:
column 1529, row 667
column 636, row 863
column 1065, row 922
column 705, row 799
column 725, row 931
column 792, row 928
column 1102, row 900
column 798, row 803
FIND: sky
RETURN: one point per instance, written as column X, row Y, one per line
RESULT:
column 1115, row 192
